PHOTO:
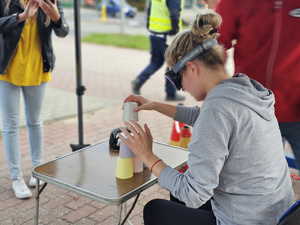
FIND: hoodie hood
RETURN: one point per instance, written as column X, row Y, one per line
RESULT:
column 243, row 90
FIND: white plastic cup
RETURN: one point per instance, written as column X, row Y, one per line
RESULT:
column 125, row 151
column 137, row 165
column 128, row 111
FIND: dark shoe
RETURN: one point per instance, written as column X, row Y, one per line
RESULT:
column 135, row 87
column 175, row 98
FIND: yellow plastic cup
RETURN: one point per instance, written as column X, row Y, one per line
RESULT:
column 124, row 168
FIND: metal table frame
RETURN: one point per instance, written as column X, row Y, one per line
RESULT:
column 174, row 156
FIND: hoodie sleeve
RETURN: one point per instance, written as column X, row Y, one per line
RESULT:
column 208, row 152
column 187, row 115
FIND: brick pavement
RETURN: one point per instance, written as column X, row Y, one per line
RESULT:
column 107, row 72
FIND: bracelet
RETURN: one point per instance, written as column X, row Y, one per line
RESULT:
column 154, row 164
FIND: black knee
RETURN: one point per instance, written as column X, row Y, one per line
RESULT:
column 151, row 212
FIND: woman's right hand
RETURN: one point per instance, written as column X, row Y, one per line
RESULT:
column 143, row 103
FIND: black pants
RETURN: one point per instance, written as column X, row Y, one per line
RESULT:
column 165, row 212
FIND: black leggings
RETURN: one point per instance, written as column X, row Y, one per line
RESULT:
column 165, row 212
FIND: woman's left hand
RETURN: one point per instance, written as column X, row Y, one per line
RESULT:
column 139, row 141
column 50, row 9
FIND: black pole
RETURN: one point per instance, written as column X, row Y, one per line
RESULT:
column 79, row 87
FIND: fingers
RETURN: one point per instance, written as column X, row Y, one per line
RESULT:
column 148, row 132
column 50, row 9
column 36, row 3
column 134, row 127
column 44, row 5
column 49, row 2
column 31, row 9
column 131, row 98
column 127, row 134
column 143, row 104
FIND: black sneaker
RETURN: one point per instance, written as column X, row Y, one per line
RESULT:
column 175, row 98
column 135, row 87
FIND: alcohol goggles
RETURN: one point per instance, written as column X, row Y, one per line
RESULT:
column 174, row 76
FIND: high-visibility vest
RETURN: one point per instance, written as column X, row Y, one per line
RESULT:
column 159, row 19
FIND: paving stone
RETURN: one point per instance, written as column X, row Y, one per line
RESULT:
column 106, row 73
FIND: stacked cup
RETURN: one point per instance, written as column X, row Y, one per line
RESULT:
column 128, row 163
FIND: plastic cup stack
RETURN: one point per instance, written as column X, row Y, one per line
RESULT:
column 128, row 163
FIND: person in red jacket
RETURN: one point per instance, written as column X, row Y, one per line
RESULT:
column 210, row 4
column 267, row 46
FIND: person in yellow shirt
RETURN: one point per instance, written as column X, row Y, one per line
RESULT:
column 26, row 62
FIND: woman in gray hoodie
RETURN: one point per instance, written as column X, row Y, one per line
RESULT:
column 236, row 161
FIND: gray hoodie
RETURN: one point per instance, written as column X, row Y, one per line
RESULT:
column 236, row 156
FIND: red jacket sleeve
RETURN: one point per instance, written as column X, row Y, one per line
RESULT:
column 228, row 30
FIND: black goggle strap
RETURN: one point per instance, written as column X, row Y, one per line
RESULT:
column 170, row 79
column 193, row 53
column 174, row 78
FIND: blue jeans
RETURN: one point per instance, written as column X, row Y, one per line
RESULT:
column 158, row 48
column 10, row 112
column 291, row 132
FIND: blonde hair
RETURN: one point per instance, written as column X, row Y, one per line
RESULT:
column 203, row 28
column 23, row 4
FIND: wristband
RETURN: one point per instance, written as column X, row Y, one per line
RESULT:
column 154, row 164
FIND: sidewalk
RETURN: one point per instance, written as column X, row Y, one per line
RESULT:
column 107, row 72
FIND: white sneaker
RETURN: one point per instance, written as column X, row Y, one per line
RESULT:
column 32, row 181
column 20, row 188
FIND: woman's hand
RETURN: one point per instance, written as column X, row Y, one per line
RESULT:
column 50, row 9
column 30, row 10
column 139, row 141
column 143, row 103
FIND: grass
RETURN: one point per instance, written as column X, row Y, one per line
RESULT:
column 119, row 40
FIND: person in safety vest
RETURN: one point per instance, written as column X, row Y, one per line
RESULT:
column 164, row 18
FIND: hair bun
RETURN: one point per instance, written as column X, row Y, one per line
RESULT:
column 214, row 30
column 205, row 26
column 202, row 22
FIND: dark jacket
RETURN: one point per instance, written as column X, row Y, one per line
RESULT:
column 10, row 33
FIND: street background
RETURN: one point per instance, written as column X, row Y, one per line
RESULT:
column 107, row 72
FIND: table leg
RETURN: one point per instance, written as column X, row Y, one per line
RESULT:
column 119, row 214
column 37, row 197
column 125, row 212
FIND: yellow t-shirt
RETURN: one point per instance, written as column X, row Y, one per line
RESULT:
column 26, row 66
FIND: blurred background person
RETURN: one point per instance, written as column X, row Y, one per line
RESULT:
column 26, row 62
column 164, row 18
column 210, row 4
column 266, row 45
